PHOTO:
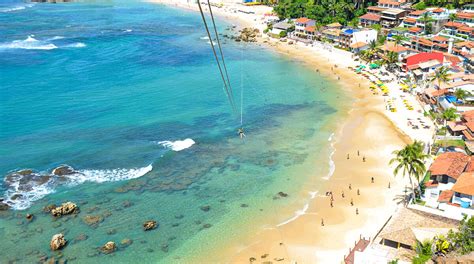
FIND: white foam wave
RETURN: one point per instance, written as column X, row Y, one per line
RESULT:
column 332, row 165
column 30, row 43
column 213, row 43
column 15, row 8
column 178, row 145
column 56, row 38
column 301, row 212
column 204, row 38
column 127, row 30
column 75, row 45
column 21, row 196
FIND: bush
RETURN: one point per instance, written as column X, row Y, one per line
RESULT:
column 266, row 30
column 420, row 6
column 283, row 34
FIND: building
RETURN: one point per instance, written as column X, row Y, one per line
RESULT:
column 280, row 27
column 464, row 190
column 465, row 18
column 305, row 28
column 392, row 17
column 350, row 36
column 402, row 51
column 369, row 19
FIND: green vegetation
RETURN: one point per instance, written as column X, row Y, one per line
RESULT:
column 443, row 3
column 463, row 240
column 423, row 251
column 324, row 11
column 451, row 143
column 283, row 34
column 411, row 162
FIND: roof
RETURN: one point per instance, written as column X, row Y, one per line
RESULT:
column 429, row 64
column 310, row 28
column 456, row 126
column 415, row 29
column 332, row 32
column 409, row 20
column 464, row 15
column 465, row 184
column 430, row 184
column 468, row 115
column 432, row 92
column 376, row 8
column 391, row 47
column 402, row 225
column 303, row 20
column 451, row 164
column 358, row 45
column 370, row 16
column 439, row 39
column 438, row 10
column 282, row 25
column 393, row 11
column 334, row 25
column 456, row 84
column 454, row 24
column 445, row 196
column 389, row 2
column 467, row 44
column 418, row 12
column 470, row 125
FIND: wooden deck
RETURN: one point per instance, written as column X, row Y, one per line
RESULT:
column 359, row 246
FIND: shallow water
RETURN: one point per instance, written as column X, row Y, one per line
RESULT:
column 100, row 87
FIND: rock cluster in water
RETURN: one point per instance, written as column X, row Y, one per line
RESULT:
column 57, row 242
column 248, row 35
column 51, row 1
column 108, row 248
column 65, row 209
column 149, row 225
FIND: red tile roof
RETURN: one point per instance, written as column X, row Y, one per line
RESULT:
column 376, row 8
column 465, row 184
column 303, row 20
column 430, row 184
column 418, row 12
column 389, row 2
column 409, row 20
column 370, row 16
column 445, row 196
column 310, row 28
column 454, row 24
column 415, row 30
column 438, row 10
column 464, row 15
column 451, row 164
column 468, row 115
column 466, row 29
column 439, row 39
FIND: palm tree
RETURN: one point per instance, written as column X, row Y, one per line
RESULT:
column 426, row 18
column 452, row 16
column 441, row 76
column 410, row 162
column 398, row 40
column 461, row 94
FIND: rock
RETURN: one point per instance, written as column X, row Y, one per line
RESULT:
column 48, row 208
column 244, row 205
column 108, row 248
column 126, row 242
column 29, row 217
column 63, row 170
column 65, row 209
column 206, row 226
column 149, row 225
column 25, row 172
column 127, row 204
column 93, row 220
column 111, row 231
column 57, row 242
column 206, row 208
column 179, row 216
column 165, row 247
column 4, row 206
column 282, row 194
column 16, row 196
column 81, row 237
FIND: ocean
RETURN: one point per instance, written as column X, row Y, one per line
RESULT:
column 129, row 95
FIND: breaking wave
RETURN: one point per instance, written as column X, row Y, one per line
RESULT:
column 30, row 43
column 15, row 8
column 177, row 145
column 25, row 187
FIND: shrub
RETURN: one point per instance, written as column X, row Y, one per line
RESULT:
column 283, row 34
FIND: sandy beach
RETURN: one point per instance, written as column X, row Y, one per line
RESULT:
column 324, row 231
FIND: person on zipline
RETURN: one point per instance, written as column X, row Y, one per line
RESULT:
column 241, row 133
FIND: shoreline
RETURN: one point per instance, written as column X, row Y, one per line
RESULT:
column 367, row 126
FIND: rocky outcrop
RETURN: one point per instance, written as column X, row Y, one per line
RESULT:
column 108, row 248
column 126, row 242
column 93, row 220
column 248, row 35
column 3, row 206
column 57, row 242
column 65, row 209
column 149, row 225
column 205, row 208
column 63, row 170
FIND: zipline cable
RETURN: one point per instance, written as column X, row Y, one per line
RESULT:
column 220, row 49
column 217, row 58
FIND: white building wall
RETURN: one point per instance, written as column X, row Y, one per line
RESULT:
column 366, row 36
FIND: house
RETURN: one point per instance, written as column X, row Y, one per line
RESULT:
column 402, row 51
column 305, row 28
column 457, row 30
column 465, row 18
column 389, row 3
column 369, row 19
column 332, row 34
column 280, row 27
column 464, row 190
column 350, row 36
column 440, row 43
column 359, row 46
column 392, row 17
column 464, row 127
column 424, row 61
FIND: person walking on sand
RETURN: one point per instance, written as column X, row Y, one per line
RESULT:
column 357, row 211
column 363, row 159
column 342, row 194
column 372, row 179
column 358, row 153
column 352, row 202
column 322, row 222
column 350, row 186
column 347, row 155
column 332, row 205
column 389, row 185
column 358, row 192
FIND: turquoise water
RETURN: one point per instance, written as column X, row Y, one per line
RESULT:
column 100, row 87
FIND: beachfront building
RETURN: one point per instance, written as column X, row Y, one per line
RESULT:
column 305, row 28
column 457, row 30
column 369, row 19
column 400, row 50
column 392, row 17
column 424, row 62
column 280, row 27
column 361, row 37
column 465, row 18
column 464, row 190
